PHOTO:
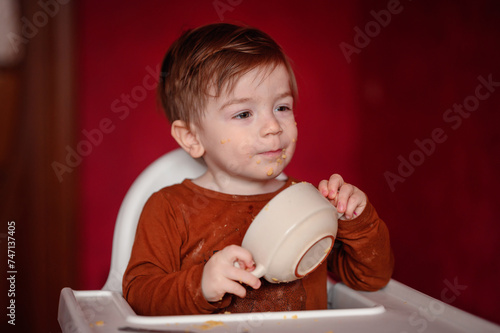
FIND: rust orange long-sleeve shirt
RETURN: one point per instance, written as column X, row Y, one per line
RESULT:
column 181, row 226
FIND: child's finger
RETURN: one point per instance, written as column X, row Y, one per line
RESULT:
column 323, row 187
column 243, row 264
column 352, row 204
column 356, row 204
column 240, row 255
column 334, row 185
column 235, row 288
column 243, row 276
column 228, row 286
column 329, row 188
column 343, row 197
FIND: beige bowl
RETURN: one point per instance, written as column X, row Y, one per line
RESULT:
column 292, row 234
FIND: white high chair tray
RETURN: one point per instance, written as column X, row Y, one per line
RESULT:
column 396, row 308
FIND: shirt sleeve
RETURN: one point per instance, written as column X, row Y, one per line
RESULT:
column 364, row 259
column 154, row 282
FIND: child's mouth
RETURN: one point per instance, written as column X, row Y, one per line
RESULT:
column 273, row 153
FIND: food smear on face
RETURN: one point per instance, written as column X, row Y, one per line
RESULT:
column 258, row 162
column 270, row 172
column 223, row 141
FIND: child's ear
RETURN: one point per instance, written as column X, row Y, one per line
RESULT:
column 187, row 138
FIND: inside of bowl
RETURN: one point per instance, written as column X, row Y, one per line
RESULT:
column 314, row 256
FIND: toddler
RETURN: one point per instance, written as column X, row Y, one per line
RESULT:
column 229, row 93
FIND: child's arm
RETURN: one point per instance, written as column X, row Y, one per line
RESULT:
column 364, row 260
column 157, row 283
column 154, row 282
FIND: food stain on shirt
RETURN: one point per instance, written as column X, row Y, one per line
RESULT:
column 198, row 248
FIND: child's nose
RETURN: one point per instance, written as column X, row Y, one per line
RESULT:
column 271, row 125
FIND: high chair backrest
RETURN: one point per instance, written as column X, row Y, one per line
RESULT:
column 169, row 169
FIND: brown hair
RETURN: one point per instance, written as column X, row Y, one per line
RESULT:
column 210, row 57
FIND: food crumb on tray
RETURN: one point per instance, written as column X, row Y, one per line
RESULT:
column 209, row 324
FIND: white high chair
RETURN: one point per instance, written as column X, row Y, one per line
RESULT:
column 394, row 308
column 171, row 168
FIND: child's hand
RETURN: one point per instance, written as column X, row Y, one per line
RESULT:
column 220, row 276
column 348, row 199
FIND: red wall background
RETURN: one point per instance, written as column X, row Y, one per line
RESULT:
column 358, row 115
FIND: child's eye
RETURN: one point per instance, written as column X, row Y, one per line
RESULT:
column 243, row 115
column 283, row 108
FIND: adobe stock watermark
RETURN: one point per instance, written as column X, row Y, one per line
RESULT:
column 420, row 320
column 121, row 108
column 453, row 117
column 372, row 29
column 31, row 27
column 222, row 6
column 255, row 320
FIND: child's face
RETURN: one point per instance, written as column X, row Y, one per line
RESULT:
column 250, row 132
